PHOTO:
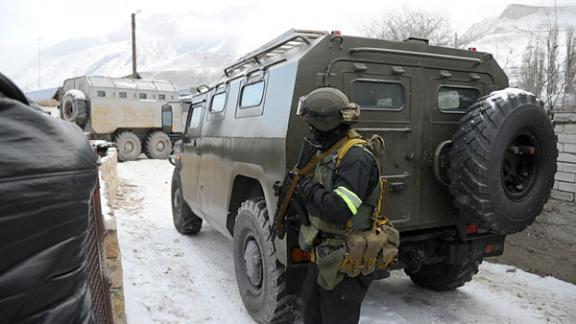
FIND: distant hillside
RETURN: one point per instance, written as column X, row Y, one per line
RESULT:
column 518, row 27
column 166, row 49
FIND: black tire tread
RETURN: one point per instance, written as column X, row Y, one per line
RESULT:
column 190, row 223
column 472, row 142
column 282, row 307
column 442, row 276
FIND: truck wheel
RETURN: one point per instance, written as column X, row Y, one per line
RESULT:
column 259, row 274
column 129, row 146
column 75, row 107
column 158, row 146
column 185, row 221
column 442, row 276
column 503, row 161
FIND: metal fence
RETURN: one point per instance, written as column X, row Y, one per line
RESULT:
column 99, row 287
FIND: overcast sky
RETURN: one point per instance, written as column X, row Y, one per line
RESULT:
column 24, row 22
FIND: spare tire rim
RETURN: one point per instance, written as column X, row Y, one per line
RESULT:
column 520, row 166
column 253, row 262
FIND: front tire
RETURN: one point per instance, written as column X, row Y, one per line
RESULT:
column 442, row 276
column 129, row 146
column 259, row 274
column 185, row 221
column 158, row 146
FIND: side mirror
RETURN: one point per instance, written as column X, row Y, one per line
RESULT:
column 167, row 120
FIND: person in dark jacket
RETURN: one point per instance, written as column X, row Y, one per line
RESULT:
column 340, row 196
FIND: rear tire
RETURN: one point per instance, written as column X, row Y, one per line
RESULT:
column 129, row 146
column 185, row 221
column 442, row 276
column 503, row 162
column 259, row 274
column 158, row 146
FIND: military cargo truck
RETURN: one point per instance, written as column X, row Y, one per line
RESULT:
column 125, row 111
column 469, row 160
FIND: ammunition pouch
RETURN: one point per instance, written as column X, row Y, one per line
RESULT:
column 366, row 251
column 330, row 255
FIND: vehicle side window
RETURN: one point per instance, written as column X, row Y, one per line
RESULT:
column 122, row 94
column 252, row 94
column 195, row 117
column 142, row 96
column 456, row 99
column 161, row 97
column 218, row 102
column 378, row 95
column 101, row 93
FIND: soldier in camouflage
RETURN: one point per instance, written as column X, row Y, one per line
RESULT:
column 339, row 197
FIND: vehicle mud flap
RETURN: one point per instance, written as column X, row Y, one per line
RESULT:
column 330, row 255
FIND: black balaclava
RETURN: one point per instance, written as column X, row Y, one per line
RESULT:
column 329, row 138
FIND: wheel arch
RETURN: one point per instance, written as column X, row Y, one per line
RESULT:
column 243, row 188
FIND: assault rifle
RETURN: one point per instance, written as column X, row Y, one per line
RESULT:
column 285, row 191
column 307, row 161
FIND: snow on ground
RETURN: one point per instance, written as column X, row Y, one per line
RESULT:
column 170, row 278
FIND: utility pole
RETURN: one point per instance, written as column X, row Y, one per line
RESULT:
column 134, row 72
column 39, row 63
column 455, row 40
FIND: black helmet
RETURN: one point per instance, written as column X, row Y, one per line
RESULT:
column 327, row 108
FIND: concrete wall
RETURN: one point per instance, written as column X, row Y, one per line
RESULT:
column 109, row 188
column 565, row 185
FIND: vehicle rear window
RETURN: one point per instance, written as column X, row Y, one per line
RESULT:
column 383, row 95
column 218, row 102
column 456, row 99
column 252, row 94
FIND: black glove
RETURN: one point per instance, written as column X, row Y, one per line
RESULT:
column 299, row 212
column 306, row 187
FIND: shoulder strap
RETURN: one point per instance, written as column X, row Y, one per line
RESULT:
column 353, row 139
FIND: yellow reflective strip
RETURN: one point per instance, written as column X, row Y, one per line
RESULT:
column 350, row 200
column 357, row 201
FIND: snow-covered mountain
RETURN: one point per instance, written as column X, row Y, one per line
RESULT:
column 173, row 47
column 518, row 27
column 164, row 50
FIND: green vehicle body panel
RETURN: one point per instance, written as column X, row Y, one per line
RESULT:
column 241, row 152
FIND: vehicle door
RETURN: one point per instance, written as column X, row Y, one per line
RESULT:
column 190, row 156
column 385, row 95
column 448, row 95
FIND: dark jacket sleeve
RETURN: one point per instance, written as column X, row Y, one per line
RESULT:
column 356, row 173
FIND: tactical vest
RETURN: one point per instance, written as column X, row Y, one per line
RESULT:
column 361, row 245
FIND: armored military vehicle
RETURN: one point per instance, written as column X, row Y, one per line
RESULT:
column 469, row 160
column 125, row 111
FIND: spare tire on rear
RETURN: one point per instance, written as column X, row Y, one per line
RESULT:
column 75, row 107
column 503, row 161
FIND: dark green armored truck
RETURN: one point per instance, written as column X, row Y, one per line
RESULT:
column 467, row 160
